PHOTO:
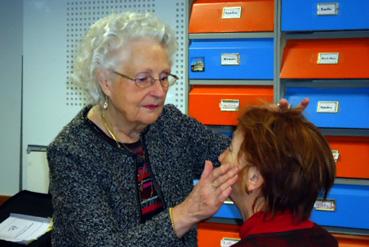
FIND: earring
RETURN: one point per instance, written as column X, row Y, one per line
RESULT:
column 105, row 105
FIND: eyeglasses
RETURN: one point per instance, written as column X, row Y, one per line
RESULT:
column 144, row 80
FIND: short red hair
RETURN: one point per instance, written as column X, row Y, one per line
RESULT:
column 291, row 154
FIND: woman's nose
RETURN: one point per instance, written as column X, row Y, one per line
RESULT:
column 158, row 90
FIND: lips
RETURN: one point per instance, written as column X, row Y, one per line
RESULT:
column 152, row 107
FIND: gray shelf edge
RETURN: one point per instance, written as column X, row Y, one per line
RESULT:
column 345, row 132
column 232, row 82
column 327, row 34
column 249, row 35
column 352, row 181
column 347, row 231
column 352, row 83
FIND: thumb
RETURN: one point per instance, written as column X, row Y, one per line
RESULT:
column 207, row 169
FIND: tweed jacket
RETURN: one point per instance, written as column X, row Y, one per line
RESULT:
column 93, row 181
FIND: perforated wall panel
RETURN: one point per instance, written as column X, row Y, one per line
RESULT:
column 81, row 14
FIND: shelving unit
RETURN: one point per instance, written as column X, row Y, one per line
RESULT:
column 349, row 138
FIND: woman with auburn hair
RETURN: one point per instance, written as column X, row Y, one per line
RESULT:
column 286, row 163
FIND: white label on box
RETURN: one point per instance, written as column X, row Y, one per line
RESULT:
column 325, row 205
column 327, row 9
column 232, row 59
column 228, row 201
column 231, row 13
column 226, row 242
column 229, row 105
column 336, row 154
column 328, row 57
column 327, row 106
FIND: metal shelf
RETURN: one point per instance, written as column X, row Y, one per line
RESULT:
column 348, row 231
column 249, row 35
column 352, row 181
column 344, row 132
column 233, row 82
column 327, row 34
column 336, row 83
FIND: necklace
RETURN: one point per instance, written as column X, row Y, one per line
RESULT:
column 111, row 133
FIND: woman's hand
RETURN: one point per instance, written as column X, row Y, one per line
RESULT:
column 206, row 197
column 284, row 105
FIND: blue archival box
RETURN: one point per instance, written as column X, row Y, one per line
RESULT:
column 342, row 107
column 319, row 15
column 231, row 59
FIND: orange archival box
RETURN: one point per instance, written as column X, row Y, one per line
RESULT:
column 217, row 234
column 351, row 155
column 352, row 240
column 326, row 59
column 214, row 16
column 221, row 105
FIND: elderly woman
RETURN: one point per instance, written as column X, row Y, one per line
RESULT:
column 286, row 164
column 121, row 172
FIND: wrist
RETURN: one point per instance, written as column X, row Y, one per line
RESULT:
column 182, row 220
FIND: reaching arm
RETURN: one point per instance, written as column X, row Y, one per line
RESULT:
column 206, row 198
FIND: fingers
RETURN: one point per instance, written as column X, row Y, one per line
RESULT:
column 284, row 105
column 207, row 169
column 224, row 176
column 303, row 104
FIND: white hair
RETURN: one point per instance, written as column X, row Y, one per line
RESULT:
column 110, row 34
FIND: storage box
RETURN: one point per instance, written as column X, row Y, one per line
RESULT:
column 346, row 240
column 351, row 155
column 221, row 105
column 331, row 107
column 208, row 16
column 217, row 234
column 326, row 58
column 228, row 210
column 314, row 15
column 346, row 206
column 231, row 59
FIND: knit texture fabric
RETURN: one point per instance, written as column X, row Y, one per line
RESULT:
column 93, row 182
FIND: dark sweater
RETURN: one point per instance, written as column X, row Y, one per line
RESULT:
column 93, row 183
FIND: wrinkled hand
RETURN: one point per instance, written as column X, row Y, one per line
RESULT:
column 206, row 198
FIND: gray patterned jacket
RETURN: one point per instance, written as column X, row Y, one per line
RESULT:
column 93, row 185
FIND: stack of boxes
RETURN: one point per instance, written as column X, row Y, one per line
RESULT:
column 231, row 66
column 326, row 58
column 231, row 58
column 242, row 51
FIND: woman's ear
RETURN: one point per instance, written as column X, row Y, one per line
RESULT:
column 104, row 80
column 254, row 179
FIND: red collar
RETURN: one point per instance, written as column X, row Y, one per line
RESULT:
column 281, row 222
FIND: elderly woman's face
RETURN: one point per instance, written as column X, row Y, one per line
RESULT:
column 140, row 105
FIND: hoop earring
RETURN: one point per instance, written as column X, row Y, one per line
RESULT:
column 106, row 104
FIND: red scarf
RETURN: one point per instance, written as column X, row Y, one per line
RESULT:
column 281, row 222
